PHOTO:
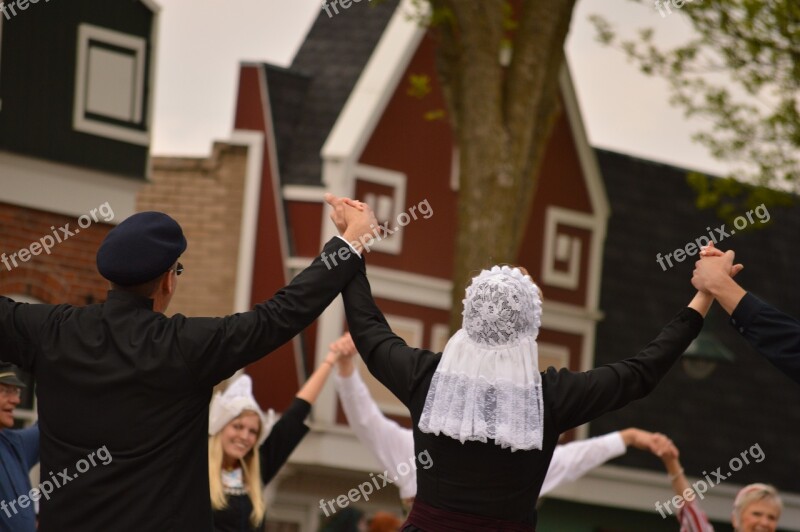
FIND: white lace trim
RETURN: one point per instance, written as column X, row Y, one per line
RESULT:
column 488, row 385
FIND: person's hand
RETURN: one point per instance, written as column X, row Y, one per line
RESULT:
column 344, row 345
column 346, row 350
column 653, row 442
column 713, row 266
column 663, row 447
column 354, row 220
column 711, row 251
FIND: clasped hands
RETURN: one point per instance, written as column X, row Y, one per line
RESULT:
column 354, row 220
column 713, row 268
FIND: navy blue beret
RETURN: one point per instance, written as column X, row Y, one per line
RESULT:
column 140, row 248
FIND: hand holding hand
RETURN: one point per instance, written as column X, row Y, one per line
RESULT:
column 345, row 350
column 713, row 266
column 353, row 219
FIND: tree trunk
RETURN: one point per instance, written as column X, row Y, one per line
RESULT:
column 502, row 117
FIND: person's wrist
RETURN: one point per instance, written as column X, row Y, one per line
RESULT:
column 675, row 475
column 352, row 238
column 718, row 283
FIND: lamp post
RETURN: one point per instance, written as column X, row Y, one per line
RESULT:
column 703, row 355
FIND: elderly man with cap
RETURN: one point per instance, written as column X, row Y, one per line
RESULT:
column 19, row 452
column 123, row 390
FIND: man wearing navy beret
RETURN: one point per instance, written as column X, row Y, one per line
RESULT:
column 123, row 390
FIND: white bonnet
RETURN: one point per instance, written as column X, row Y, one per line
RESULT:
column 237, row 398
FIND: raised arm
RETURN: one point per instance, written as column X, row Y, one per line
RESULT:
column 579, row 397
column 714, row 274
column 574, row 459
column 284, row 437
column 20, row 326
column 391, row 444
column 388, row 357
column 310, row 390
column 772, row 333
column 216, row 347
column 684, row 505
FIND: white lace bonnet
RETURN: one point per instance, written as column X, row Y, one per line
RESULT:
column 237, row 398
column 487, row 384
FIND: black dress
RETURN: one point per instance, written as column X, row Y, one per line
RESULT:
column 483, row 479
column 286, row 434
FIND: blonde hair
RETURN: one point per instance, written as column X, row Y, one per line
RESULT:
column 754, row 493
column 251, row 476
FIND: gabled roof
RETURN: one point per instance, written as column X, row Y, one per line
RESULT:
column 739, row 405
column 287, row 94
column 331, row 59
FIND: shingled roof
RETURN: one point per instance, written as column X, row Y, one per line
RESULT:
column 306, row 100
column 739, row 405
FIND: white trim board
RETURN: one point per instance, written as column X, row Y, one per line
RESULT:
column 399, row 286
column 254, row 141
column 594, row 183
column 63, row 189
column 303, row 193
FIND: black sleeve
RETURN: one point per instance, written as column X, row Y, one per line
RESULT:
column 286, row 434
column 20, row 326
column 214, row 348
column 772, row 333
column 396, row 365
column 579, row 397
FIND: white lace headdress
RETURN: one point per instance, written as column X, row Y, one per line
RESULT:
column 488, row 385
column 228, row 405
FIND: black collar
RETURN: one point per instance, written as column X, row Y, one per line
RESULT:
column 126, row 298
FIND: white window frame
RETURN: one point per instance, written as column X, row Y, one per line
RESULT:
column 554, row 243
column 397, row 180
column 86, row 33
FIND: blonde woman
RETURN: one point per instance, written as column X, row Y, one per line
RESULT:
column 246, row 450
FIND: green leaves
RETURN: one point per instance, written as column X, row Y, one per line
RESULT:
column 741, row 73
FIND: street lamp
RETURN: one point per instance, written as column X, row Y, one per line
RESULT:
column 703, row 355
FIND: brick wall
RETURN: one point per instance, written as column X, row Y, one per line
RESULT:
column 67, row 274
column 206, row 197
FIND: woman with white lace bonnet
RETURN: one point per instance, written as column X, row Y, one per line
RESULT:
column 247, row 448
column 486, row 415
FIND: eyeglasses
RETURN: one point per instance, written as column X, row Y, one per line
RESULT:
column 10, row 391
column 178, row 269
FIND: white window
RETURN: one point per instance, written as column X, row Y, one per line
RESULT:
column 388, row 205
column 110, row 85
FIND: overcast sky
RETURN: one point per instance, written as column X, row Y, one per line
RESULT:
column 201, row 43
